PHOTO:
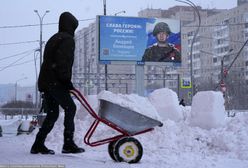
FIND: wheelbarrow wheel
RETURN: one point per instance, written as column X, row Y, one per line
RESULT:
column 111, row 146
column 128, row 149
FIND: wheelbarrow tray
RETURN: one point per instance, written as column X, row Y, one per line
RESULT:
column 126, row 119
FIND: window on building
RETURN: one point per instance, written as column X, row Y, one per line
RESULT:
column 190, row 34
column 214, row 60
column 184, row 36
column 246, row 25
column 226, row 21
column 189, row 42
column 218, row 41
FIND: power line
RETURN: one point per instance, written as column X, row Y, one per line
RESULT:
column 25, row 62
column 217, row 25
column 221, row 39
column 84, row 20
column 34, row 41
column 14, row 63
column 17, row 54
column 22, row 42
column 34, row 25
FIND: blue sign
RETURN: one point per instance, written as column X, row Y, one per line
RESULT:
column 126, row 38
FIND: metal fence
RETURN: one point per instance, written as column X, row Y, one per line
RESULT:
column 23, row 112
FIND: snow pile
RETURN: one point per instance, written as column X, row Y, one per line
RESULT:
column 93, row 101
column 25, row 125
column 176, row 144
column 133, row 102
column 81, row 112
column 208, row 110
column 10, row 126
column 166, row 103
column 230, row 141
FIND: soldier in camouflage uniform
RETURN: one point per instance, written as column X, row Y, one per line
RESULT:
column 162, row 51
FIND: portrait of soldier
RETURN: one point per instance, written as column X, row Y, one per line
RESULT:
column 162, row 51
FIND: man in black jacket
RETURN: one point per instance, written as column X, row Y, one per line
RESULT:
column 55, row 82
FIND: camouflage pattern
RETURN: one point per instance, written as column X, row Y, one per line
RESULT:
column 161, row 27
column 162, row 54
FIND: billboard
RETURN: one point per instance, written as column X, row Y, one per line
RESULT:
column 135, row 39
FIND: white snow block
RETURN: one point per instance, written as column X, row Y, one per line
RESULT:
column 166, row 103
column 208, row 110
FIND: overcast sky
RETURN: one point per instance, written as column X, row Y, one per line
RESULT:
column 17, row 60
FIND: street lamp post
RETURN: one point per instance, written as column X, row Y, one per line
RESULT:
column 16, row 86
column 120, row 12
column 41, row 23
column 193, row 40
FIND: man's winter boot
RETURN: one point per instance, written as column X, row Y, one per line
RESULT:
column 39, row 147
column 72, row 148
column 69, row 145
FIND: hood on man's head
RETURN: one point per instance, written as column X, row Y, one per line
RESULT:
column 67, row 23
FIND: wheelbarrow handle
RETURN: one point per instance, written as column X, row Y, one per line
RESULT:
column 84, row 102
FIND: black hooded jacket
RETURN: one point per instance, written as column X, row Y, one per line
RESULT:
column 56, row 69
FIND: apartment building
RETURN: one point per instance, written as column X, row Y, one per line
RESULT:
column 220, row 38
column 241, row 2
column 222, row 34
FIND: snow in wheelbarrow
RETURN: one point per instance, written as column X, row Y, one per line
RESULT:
column 127, row 119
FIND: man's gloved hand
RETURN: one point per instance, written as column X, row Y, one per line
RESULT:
column 70, row 86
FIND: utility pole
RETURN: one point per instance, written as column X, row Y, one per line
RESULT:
column 41, row 23
column 105, row 66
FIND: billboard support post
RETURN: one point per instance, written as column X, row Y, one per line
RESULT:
column 139, row 71
column 105, row 66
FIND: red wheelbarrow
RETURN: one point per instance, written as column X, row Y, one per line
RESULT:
column 122, row 147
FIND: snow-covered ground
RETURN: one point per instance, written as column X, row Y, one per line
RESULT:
column 202, row 137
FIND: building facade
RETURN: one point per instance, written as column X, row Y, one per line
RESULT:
column 220, row 39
